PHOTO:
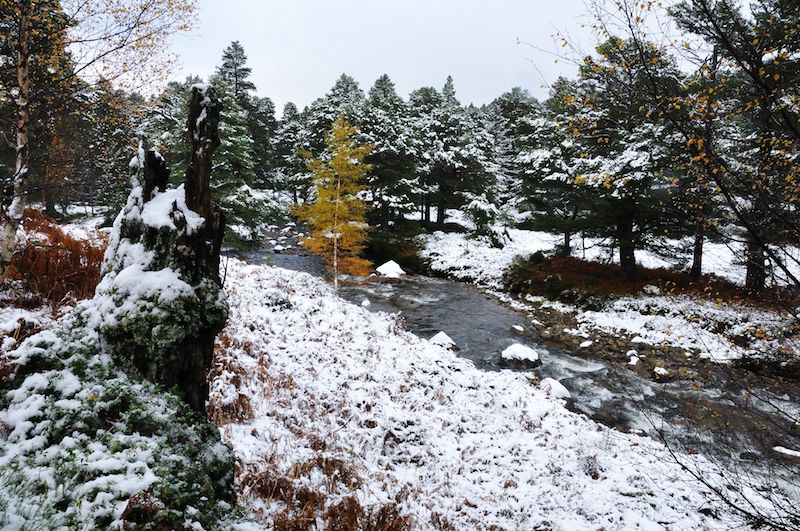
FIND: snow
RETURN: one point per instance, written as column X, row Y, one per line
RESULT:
column 161, row 210
column 475, row 259
column 390, row 270
column 517, row 352
column 586, row 344
column 325, row 381
column 786, row 451
column 554, row 389
column 718, row 331
column 660, row 371
column 443, row 340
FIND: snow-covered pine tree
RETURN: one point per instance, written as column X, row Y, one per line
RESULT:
column 235, row 72
column 386, row 124
column 291, row 174
column 549, row 159
column 247, row 210
column 507, row 119
column 453, row 150
column 261, row 122
column 346, row 98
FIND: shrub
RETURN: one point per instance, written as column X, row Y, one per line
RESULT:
column 53, row 264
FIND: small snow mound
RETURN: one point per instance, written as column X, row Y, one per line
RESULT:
column 661, row 371
column 587, row 344
column 651, row 290
column 390, row 270
column 443, row 340
column 554, row 389
column 517, row 352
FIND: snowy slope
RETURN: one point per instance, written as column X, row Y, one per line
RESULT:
column 325, row 403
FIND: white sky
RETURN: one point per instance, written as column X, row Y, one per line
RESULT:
column 297, row 48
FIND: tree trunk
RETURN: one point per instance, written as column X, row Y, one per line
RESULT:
column 697, row 257
column 566, row 248
column 13, row 194
column 190, row 372
column 441, row 211
column 627, row 246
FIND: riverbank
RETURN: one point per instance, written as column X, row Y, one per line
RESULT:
column 657, row 334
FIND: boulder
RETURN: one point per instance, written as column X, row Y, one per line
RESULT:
column 520, row 356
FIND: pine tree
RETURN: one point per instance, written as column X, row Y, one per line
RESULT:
column 338, row 216
column 235, row 72
column 386, row 124
column 346, row 98
column 453, row 151
column 261, row 122
column 291, row 174
column 247, row 210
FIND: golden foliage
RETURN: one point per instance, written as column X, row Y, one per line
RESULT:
column 338, row 216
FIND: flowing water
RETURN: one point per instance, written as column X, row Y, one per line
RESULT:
column 707, row 418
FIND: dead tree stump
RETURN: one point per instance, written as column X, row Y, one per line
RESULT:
column 161, row 279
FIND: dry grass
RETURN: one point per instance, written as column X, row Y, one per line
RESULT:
column 54, row 265
column 553, row 277
column 302, row 500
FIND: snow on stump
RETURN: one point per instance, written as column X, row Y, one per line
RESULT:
column 520, row 356
column 443, row 340
column 390, row 269
column 162, row 299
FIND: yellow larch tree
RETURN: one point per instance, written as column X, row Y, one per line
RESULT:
column 337, row 217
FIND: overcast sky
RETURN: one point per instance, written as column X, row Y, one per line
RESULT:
column 297, row 48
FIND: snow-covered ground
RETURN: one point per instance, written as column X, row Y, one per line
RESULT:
column 465, row 257
column 328, row 404
column 716, row 330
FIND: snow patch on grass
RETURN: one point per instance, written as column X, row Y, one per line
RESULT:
column 324, row 401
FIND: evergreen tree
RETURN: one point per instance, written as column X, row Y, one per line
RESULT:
column 453, row 151
column 291, row 174
column 346, row 98
column 235, row 72
column 386, row 124
column 260, row 112
column 624, row 147
column 246, row 209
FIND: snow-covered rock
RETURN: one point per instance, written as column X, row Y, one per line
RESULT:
column 518, row 354
column 554, row 389
column 390, row 269
column 651, row 290
column 586, row 344
column 443, row 340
